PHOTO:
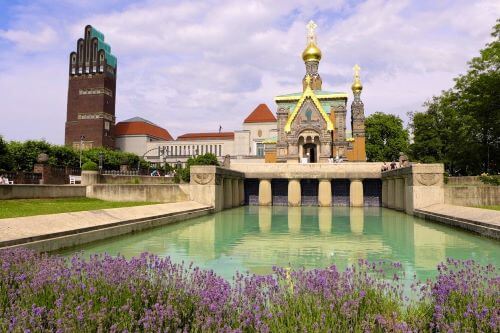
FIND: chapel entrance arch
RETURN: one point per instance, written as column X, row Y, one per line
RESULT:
column 308, row 146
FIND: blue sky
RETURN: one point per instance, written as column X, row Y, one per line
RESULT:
column 192, row 65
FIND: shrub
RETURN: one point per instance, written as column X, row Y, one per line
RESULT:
column 89, row 166
column 44, row 293
column 490, row 180
column 206, row 159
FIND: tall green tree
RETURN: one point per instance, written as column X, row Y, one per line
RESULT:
column 385, row 137
column 5, row 158
column 461, row 127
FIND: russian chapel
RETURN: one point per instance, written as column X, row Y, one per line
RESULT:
column 312, row 123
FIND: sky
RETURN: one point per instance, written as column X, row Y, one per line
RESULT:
column 190, row 66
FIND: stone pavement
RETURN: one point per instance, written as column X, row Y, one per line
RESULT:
column 56, row 231
column 483, row 221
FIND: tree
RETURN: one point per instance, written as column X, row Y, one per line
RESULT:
column 206, row 159
column 5, row 158
column 461, row 127
column 385, row 137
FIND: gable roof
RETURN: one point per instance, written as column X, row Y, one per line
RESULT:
column 261, row 114
column 206, row 136
column 141, row 126
column 308, row 93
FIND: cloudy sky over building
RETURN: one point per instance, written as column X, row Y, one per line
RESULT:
column 194, row 65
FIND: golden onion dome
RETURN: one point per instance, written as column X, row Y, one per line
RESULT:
column 311, row 53
column 357, row 86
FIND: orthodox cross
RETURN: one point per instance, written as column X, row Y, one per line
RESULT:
column 311, row 35
column 356, row 72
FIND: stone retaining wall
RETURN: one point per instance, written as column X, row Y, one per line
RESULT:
column 472, row 195
column 151, row 193
column 119, row 179
column 27, row 191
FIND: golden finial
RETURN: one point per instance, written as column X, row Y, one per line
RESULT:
column 312, row 52
column 356, row 85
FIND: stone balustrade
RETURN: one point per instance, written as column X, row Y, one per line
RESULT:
column 413, row 187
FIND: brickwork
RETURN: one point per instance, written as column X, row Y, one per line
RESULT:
column 91, row 93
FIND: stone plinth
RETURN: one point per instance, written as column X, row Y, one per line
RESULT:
column 422, row 186
column 90, row 177
column 208, row 186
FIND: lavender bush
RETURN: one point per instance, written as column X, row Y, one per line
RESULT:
column 43, row 293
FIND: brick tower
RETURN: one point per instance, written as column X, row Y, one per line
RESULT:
column 90, row 116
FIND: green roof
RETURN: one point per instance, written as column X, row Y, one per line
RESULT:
column 101, row 45
column 318, row 93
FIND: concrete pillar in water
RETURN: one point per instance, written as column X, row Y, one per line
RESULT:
column 399, row 185
column 241, row 189
column 384, row 192
column 390, row 193
column 356, row 193
column 265, row 193
column 294, row 192
column 325, row 193
column 228, row 193
column 236, row 193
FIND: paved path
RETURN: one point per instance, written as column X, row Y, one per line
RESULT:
column 483, row 221
column 22, row 230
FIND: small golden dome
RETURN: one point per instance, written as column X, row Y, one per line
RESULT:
column 312, row 52
column 357, row 86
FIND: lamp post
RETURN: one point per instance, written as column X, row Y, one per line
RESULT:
column 81, row 143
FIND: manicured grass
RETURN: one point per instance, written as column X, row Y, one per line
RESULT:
column 497, row 207
column 30, row 207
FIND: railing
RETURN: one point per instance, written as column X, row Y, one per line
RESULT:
column 23, row 177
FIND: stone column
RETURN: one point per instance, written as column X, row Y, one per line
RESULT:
column 265, row 194
column 236, row 193
column 294, row 192
column 228, row 193
column 325, row 193
column 384, row 192
column 390, row 193
column 241, row 188
column 398, row 193
column 356, row 193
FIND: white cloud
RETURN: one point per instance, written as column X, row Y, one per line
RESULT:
column 31, row 41
column 190, row 66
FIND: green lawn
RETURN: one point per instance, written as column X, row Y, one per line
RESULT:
column 489, row 207
column 30, row 207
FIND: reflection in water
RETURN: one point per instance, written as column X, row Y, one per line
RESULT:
column 357, row 220
column 257, row 238
column 265, row 216
column 294, row 219
column 325, row 220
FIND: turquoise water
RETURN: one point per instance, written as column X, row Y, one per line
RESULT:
column 256, row 238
